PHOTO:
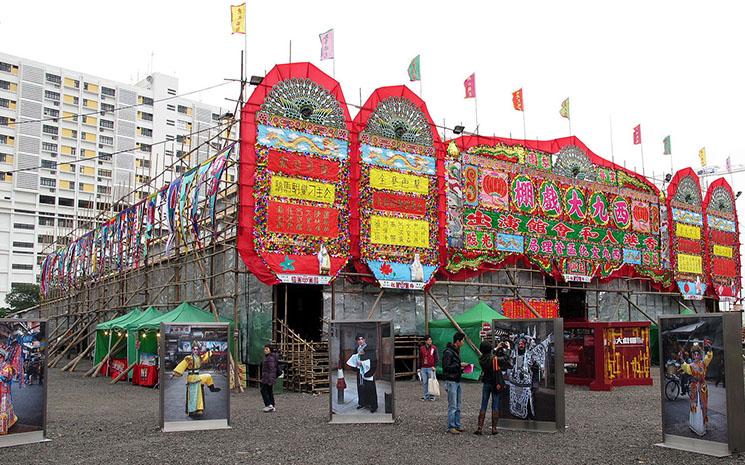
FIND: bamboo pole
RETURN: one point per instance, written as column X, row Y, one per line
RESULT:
column 93, row 372
column 74, row 362
column 123, row 373
column 522, row 299
column 375, row 304
column 76, row 339
column 455, row 323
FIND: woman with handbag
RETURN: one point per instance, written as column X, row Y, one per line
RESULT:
column 493, row 383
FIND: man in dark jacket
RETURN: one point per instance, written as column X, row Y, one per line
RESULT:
column 269, row 370
column 452, row 369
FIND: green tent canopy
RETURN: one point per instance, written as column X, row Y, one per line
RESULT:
column 110, row 332
column 471, row 322
column 131, row 328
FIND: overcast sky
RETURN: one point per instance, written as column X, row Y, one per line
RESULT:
column 674, row 67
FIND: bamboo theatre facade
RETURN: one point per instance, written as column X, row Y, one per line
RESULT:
column 317, row 216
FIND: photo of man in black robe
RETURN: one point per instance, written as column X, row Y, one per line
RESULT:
column 367, row 393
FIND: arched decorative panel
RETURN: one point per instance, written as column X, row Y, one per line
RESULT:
column 294, row 177
column 722, row 239
column 398, row 190
column 686, row 230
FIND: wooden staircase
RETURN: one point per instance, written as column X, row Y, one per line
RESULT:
column 307, row 363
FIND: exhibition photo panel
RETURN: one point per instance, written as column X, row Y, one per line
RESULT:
column 702, row 383
column 533, row 392
column 362, row 372
column 194, row 369
column 22, row 381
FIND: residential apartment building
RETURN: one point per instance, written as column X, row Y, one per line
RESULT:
column 121, row 136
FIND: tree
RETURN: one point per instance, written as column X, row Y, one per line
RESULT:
column 22, row 296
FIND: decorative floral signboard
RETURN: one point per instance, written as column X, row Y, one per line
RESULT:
column 722, row 241
column 686, row 227
column 397, row 188
column 555, row 203
column 294, row 177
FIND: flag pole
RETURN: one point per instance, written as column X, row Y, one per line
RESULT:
column 641, row 148
column 525, row 138
column 290, row 51
column 612, row 154
column 569, row 119
column 476, row 110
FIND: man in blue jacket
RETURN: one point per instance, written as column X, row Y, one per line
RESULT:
column 452, row 369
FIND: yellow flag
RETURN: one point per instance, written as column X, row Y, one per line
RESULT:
column 702, row 156
column 238, row 18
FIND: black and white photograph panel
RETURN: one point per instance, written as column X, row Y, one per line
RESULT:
column 362, row 372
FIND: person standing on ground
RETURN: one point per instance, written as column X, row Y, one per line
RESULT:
column 269, row 368
column 428, row 358
column 492, row 362
column 452, row 369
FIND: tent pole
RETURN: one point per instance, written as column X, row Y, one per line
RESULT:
column 455, row 323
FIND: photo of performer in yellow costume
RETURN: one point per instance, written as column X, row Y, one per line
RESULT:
column 195, row 381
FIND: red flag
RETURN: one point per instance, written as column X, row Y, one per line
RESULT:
column 470, row 85
column 517, row 100
column 638, row 134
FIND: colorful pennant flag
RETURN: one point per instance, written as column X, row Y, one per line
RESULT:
column 327, row 45
column 668, row 148
column 238, row 18
column 702, row 156
column 728, row 165
column 638, row 134
column 564, row 110
column 415, row 72
column 517, row 99
column 470, row 85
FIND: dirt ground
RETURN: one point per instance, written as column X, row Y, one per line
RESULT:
column 93, row 422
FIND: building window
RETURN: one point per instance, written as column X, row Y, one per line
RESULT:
column 66, row 202
column 103, row 190
column 45, row 238
column 46, row 221
column 85, row 204
column 184, row 124
column 48, row 182
column 51, row 95
column 23, row 245
column 145, row 147
column 106, row 107
column 104, row 156
column 170, row 137
column 5, row 121
column 4, row 157
column 183, row 109
column 146, row 100
column 171, row 91
column 108, row 91
column 49, row 164
column 23, row 266
column 6, row 67
column 107, row 140
column 146, row 132
column 169, row 153
column 51, row 112
column 106, row 124
column 170, row 122
column 51, row 130
column 4, row 85
column 145, row 116
column 54, row 79
column 171, row 107
column 25, row 226
column 104, row 173
column 49, row 147
column 5, row 103
column 47, row 199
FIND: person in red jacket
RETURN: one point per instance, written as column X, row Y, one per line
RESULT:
column 428, row 358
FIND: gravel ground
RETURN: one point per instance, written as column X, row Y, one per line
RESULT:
column 92, row 422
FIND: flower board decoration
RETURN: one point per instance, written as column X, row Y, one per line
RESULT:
column 554, row 204
column 722, row 233
column 686, row 227
column 294, row 177
column 398, row 212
